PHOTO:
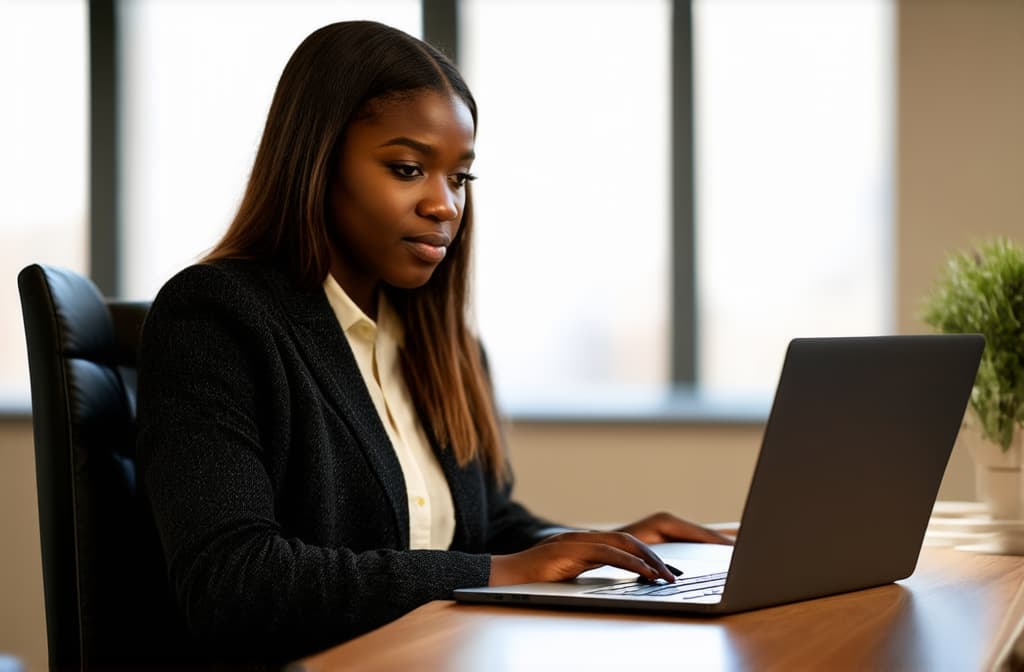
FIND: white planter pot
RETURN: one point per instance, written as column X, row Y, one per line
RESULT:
column 998, row 476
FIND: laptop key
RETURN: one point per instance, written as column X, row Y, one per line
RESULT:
column 699, row 579
column 696, row 584
column 644, row 590
column 678, row 590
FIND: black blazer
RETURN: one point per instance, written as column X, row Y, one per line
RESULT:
column 278, row 497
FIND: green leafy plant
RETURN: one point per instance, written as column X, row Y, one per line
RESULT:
column 982, row 292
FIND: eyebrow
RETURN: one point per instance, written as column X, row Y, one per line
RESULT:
column 421, row 147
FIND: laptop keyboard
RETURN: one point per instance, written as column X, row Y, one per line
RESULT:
column 683, row 588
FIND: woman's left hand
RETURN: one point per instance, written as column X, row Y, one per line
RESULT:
column 661, row 528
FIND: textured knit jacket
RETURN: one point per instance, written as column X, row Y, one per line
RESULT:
column 279, row 499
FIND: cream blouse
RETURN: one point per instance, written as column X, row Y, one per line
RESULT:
column 375, row 345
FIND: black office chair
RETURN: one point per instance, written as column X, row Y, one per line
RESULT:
column 106, row 592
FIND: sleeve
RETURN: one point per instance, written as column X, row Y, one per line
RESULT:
column 244, row 589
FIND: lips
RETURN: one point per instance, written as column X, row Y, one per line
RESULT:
column 429, row 247
column 435, row 238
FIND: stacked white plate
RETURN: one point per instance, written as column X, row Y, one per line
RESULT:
column 967, row 526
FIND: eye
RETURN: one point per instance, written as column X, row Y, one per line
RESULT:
column 460, row 179
column 406, row 171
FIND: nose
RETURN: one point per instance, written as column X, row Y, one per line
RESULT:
column 439, row 202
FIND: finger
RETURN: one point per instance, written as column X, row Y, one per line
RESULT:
column 594, row 554
column 706, row 535
column 625, row 542
column 674, row 528
column 720, row 538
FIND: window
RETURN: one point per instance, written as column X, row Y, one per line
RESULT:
column 792, row 107
column 572, row 204
column 794, row 114
column 43, row 161
column 793, row 141
column 197, row 80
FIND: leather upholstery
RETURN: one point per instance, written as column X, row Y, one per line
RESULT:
column 106, row 592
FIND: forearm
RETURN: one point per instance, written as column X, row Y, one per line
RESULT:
column 287, row 597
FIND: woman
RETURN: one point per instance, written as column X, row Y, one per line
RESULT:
column 316, row 430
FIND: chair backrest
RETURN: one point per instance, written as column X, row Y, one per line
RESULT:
column 106, row 591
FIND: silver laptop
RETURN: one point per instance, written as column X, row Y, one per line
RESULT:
column 851, row 460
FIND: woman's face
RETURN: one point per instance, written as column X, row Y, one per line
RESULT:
column 399, row 192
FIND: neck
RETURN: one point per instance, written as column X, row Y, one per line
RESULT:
column 363, row 294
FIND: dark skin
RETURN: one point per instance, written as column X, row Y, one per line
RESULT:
column 400, row 193
column 396, row 204
column 567, row 555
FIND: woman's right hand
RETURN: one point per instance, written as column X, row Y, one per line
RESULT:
column 569, row 554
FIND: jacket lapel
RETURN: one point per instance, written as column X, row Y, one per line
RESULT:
column 327, row 353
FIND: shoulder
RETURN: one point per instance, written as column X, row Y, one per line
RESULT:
column 217, row 281
column 227, row 312
column 234, row 287
column 236, row 295
column 223, row 297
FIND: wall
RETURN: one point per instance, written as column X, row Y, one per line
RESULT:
column 22, row 622
column 960, row 148
column 960, row 164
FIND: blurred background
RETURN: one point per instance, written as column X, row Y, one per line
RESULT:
column 669, row 191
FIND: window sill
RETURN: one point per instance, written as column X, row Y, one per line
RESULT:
column 620, row 405
column 15, row 408
column 625, row 405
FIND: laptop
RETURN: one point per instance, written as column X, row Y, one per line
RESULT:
column 852, row 456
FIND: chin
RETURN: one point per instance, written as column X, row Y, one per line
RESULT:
column 413, row 280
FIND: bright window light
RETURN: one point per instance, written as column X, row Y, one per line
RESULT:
column 572, row 202
column 794, row 135
column 43, row 159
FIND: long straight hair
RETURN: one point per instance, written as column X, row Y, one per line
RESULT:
column 331, row 80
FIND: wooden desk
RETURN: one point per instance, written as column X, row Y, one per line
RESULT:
column 952, row 614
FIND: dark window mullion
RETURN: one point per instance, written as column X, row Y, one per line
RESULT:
column 104, row 89
column 683, row 302
column 441, row 26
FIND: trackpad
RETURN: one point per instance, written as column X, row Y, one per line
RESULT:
column 683, row 552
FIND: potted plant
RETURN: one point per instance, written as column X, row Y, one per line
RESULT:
column 982, row 291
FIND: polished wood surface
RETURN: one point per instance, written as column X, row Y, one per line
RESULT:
column 954, row 613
